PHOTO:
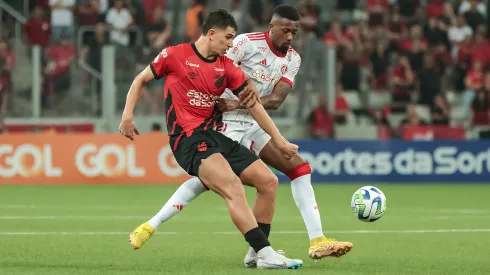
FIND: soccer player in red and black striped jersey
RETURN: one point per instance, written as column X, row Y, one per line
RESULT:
column 196, row 76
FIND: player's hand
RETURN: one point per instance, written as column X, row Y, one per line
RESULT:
column 248, row 97
column 128, row 129
column 287, row 149
column 228, row 105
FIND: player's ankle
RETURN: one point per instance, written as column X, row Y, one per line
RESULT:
column 317, row 240
column 256, row 239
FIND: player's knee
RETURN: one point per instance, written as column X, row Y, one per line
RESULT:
column 268, row 183
column 299, row 171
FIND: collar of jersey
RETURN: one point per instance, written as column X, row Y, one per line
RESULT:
column 273, row 49
column 200, row 55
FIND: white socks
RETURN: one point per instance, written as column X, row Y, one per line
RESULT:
column 304, row 196
column 187, row 192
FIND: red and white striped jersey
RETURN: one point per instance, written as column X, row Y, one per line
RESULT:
column 260, row 61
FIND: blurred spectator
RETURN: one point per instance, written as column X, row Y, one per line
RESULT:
column 156, row 128
column 137, row 12
column 341, row 105
column 380, row 119
column 320, row 122
column 377, row 10
column 435, row 8
column 119, row 19
column 473, row 17
column 335, row 36
column 480, row 110
column 88, row 12
column 159, row 31
column 414, row 41
column 347, row 5
column 429, row 82
column 466, row 5
column 436, row 32
column 408, row 8
column 396, row 30
column 149, row 6
column 480, row 49
column 310, row 17
column 350, row 71
column 380, row 116
column 5, row 87
column 412, row 118
column 7, row 55
column 37, row 30
column 243, row 18
column 403, row 80
column 379, row 66
column 58, row 73
column 61, row 18
column 459, row 32
column 462, row 63
column 194, row 19
column 442, row 58
column 474, row 82
column 91, row 54
column 440, row 111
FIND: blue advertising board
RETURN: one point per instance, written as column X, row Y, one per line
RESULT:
column 396, row 161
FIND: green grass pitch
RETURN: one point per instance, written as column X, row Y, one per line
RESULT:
column 427, row 229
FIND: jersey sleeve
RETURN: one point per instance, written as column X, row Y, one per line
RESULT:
column 235, row 78
column 292, row 69
column 242, row 49
column 161, row 65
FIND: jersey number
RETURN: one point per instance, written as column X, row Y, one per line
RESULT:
column 222, row 127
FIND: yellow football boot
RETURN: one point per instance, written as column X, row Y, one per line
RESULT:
column 140, row 235
column 322, row 247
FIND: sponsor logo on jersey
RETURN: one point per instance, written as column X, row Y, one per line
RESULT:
column 164, row 53
column 239, row 45
column 264, row 62
column 240, row 55
column 263, row 48
column 219, row 82
column 192, row 64
column 201, row 100
column 219, row 69
column 260, row 75
column 193, row 75
column 284, row 69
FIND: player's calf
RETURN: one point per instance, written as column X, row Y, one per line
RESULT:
column 259, row 176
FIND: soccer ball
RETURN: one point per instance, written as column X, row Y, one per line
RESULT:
column 368, row 203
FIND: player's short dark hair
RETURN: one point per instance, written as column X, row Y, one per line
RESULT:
column 220, row 19
column 287, row 11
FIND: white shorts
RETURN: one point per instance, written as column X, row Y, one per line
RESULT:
column 247, row 134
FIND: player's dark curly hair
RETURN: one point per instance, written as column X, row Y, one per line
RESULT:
column 287, row 11
column 221, row 19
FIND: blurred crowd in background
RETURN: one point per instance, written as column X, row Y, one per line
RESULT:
column 398, row 62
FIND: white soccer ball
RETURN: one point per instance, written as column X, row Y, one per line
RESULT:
column 368, row 203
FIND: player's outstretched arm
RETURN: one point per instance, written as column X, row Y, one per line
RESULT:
column 249, row 98
column 127, row 127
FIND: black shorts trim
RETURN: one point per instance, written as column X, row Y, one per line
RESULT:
column 239, row 89
column 155, row 75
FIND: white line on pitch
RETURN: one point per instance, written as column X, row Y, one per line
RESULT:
column 275, row 232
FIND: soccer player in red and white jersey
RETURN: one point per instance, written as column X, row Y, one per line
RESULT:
column 270, row 62
column 196, row 76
